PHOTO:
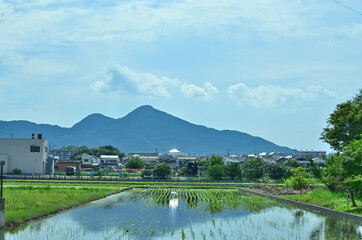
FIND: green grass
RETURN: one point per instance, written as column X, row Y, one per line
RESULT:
column 23, row 203
column 325, row 198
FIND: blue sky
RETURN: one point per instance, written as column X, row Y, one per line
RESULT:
column 270, row 68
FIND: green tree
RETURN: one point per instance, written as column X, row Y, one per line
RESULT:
column 215, row 160
column 135, row 162
column 233, row 170
column 344, row 171
column 253, row 168
column 216, row 171
column 279, row 170
column 162, row 170
column 103, row 150
column 344, row 124
column 184, row 170
column 202, row 163
column 300, row 179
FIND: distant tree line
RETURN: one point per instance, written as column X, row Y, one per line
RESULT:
column 103, row 150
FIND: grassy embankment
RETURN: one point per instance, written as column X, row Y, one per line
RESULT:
column 333, row 200
column 23, row 203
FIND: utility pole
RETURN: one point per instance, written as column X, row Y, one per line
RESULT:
column 2, row 200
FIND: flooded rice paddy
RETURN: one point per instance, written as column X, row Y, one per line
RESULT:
column 187, row 214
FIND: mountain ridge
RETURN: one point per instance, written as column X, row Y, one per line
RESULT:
column 143, row 130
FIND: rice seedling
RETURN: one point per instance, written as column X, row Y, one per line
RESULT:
column 172, row 231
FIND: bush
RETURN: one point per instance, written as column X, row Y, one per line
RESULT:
column 216, row 171
column 300, row 179
column 16, row 171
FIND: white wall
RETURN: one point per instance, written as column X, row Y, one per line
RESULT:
column 20, row 156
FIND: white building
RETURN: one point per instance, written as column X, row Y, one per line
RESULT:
column 28, row 155
column 311, row 153
column 110, row 160
column 88, row 159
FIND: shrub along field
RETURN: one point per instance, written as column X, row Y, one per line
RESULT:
column 325, row 198
column 23, row 203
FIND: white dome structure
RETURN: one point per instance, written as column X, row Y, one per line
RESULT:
column 174, row 150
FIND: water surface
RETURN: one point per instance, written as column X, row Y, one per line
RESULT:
column 188, row 214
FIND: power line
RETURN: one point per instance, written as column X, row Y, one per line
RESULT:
column 349, row 8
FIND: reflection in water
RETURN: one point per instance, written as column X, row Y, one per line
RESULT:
column 173, row 203
column 199, row 214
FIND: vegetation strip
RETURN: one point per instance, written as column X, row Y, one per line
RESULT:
column 327, row 211
column 17, row 220
column 132, row 183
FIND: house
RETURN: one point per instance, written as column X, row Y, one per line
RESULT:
column 110, row 160
column 183, row 161
column 319, row 160
column 304, row 162
column 311, row 153
column 87, row 159
column 63, row 154
column 149, row 158
column 63, row 164
column 28, row 155
column 171, row 160
column 229, row 160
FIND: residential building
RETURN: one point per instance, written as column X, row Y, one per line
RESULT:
column 63, row 154
column 311, row 153
column 28, row 155
column 63, row 164
column 110, row 160
column 87, row 159
column 149, row 158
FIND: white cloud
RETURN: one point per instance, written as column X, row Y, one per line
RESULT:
column 35, row 64
column 339, row 34
column 117, row 78
column 205, row 93
column 276, row 96
column 26, row 24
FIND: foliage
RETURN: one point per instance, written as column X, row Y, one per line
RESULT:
column 316, row 169
column 103, row 150
column 184, row 170
column 162, row 170
column 135, row 162
column 279, row 170
column 146, row 173
column 215, row 160
column 328, row 199
column 202, row 163
column 70, row 147
column 300, row 179
column 25, row 203
column 16, row 171
column 344, row 171
column 344, row 124
column 292, row 163
column 253, row 168
column 216, row 171
column 233, row 170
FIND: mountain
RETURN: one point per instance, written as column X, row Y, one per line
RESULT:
column 143, row 130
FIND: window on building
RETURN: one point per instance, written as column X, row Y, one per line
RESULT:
column 34, row 148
